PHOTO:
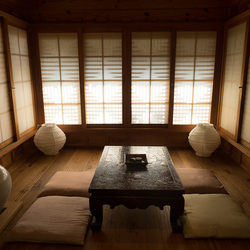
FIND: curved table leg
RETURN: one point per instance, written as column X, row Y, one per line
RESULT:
column 96, row 209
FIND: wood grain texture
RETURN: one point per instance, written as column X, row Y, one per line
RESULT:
column 124, row 228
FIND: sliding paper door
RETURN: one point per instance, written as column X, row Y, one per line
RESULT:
column 233, row 74
column 6, row 132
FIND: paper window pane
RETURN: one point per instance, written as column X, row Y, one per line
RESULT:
column 53, row 114
column 140, row 113
column 50, row 69
column 141, row 68
column 184, row 68
column 5, row 113
column 27, row 91
column 194, row 74
column 150, row 75
column 140, row 92
column 29, row 116
column 95, row 113
column 158, row 113
column 160, row 68
column 22, row 122
column 93, row 68
column 141, row 43
column 161, row 43
column 4, row 97
column 159, row 92
column 94, row 92
column 206, row 44
column 23, row 42
column 92, row 44
column 182, row 114
column 25, row 68
column 113, row 113
column 71, row 92
column 233, row 74
column 185, row 45
column 204, row 68
column 3, row 76
column 51, row 92
column 69, row 69
column 183, row 92
column 201, row 113
column 72, row 114
column 5, row 127
column 19, row 94
column 48, row 45
column 203, row 92
column 16, row 67
column 112, row 44
column 112, row 68
column 103, row 75
column 68, row 45
column 113, row 92
column 13, row 39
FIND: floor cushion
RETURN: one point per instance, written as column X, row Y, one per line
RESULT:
column 54, row 219
column 68, row 184
column 200, row 181
column 215, row 216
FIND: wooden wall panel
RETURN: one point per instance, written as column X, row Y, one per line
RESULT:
column 111, row 11
column 136, row 137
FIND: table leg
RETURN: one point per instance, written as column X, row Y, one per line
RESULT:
column 176, row 210
column 96, row 209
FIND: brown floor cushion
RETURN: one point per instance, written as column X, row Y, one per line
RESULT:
column 214, row 216
column 54, row 219
column 68, row 184
column 200, row 181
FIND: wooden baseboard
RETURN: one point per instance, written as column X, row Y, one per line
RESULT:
column 7, row 215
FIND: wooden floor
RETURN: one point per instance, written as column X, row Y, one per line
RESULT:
column 124, row 228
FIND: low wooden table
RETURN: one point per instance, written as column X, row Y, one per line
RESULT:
column 115, row 183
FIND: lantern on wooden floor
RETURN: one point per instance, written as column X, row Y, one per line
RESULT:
column 5, row 186
column 204, row 139
column 49, row 139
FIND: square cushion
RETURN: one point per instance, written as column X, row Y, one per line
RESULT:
column 68, row 184
column 54, row 219
column 214, row 215
column 200, row 181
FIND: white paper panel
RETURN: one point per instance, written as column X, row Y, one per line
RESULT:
column 14, row 41
column 4, row 98
column 92, row 44
column 16, row 67
column 48, row 45
column 23, row 43
column 71, row 92
column 3, row 76
column 194, row 74
column 5, row 127
column 25, row 68
column 19, row 94
column 232, row 79
column 22, row 122
column 68, row 45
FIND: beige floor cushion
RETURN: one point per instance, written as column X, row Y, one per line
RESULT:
column 68, row 184
column 200, row 181
column 215, row 216
column 54, row 219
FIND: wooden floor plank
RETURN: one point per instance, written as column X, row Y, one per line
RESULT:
column 124, row 228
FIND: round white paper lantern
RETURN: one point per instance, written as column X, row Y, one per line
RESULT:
column 204, row 139
column 49, row 139
column 5, row 186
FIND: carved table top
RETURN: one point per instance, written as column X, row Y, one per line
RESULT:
column 114, row 177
